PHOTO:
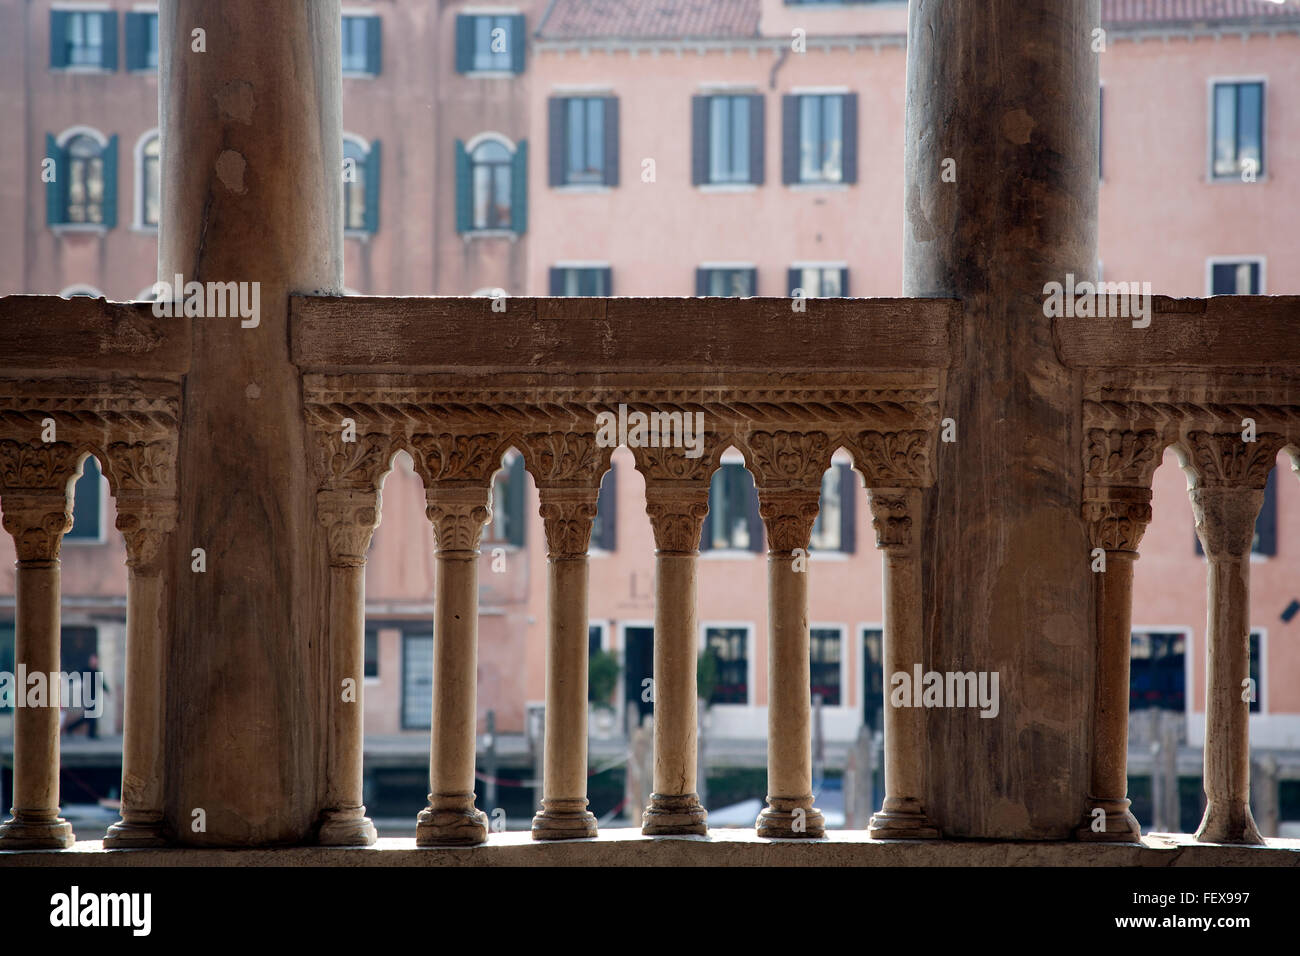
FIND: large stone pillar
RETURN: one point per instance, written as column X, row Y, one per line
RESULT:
column 1001, row 198
column 251, row 160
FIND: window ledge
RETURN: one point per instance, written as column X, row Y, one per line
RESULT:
column 728, row 187
column 1237, row 180
column 82, row 70
column 837, row 555
column 490, row 74
column 359, row 75
column 78, row 227
column 584, row 188
column 816, row 187
column 144, row 228
column 490, row 234
column 729, row 554
column 363, row 234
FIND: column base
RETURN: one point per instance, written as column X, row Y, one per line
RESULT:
column 1228, row 822
column 451, row 820
column 35, row 830
column 901, row 818
column 674, row 814
column 793, row 818
column 142, row 831
column 564, row 819
column 1120, row 825
column 346, row 826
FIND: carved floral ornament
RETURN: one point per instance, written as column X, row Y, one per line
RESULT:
column 567, row 520
column 1121, row 457
column 37, row 523
column 1227, row 460
column 892, row 517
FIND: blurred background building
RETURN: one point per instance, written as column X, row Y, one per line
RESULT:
column 683, row 147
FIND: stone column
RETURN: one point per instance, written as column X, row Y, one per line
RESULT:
column 567, row 514
column 35, row 481
column 896, row 517
column 251, row 194
column 1117, row 518
column 1119, row 465
column 458, row 514
column 677, row 511
column 1000, row 199
column 144, row 492
column 788, row 469
column 350, row 517
column 1228, row 493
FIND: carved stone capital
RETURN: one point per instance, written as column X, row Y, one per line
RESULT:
column 1118, row 456
column 893, row 459
column 141, row 466
column 1225, row 460
column 788, row 517
column 458, row 515
column 894, row 513
column 38, row 466
column 671, row 465
column 145, row 520
column 567, row 516
column 449, row 457
column 677, row 516
column 565, row 459
column 359, row 465
column 1117, row 517
column 1225, row 519
column 350, row 517
column 38, row 522
column 789, row 459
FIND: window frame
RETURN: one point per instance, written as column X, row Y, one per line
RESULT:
column 710, row 268
column 823, row 267
column 1259, row 260
column 374, row 22
column 843, row 630
column 732, row 457
column 1189, row 671
column 580, row 266
column 409, row 632
column 751, row 664
column 108, row 166
column 1212, row 83
column 368, row 181
column 108, row 46
column 860, row 672
column 138, row 177
column 559, row 108
column 101, row 533
column 514, row 65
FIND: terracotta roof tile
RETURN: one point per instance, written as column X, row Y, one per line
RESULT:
column 1121, row 13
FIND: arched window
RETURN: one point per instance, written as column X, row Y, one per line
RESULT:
column 80, row 179
column 76, row 290
column 85, row 171
column 148, row 181
column 360, row 184
column 491, row 185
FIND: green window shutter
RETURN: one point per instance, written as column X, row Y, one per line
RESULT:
column 110, row 40
column 136, row 26
column 556, row 281
column 701, row 281
column 611, row 141
column 374, row 164
column 607, row 510
column 58, row 39
column 848, row 509
column 699, row 139
column 557, row 124
column 56, row 191
column 464, row 194
column 110, row 183
column 793, row 280
column 464, row 43
column 519, row 44
column 374, row 45
column 519, row 189
column 849, row 130
column 757, row 141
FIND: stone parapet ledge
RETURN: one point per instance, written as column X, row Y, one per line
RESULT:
column 628, row 847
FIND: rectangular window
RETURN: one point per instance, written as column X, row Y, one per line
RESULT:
column 728, row 281
column 819, row 282
column 825, row 644
column 88, row 506
column 371, row 666
column 1156, row 667
column 583, row 140
column 729, row 647
column 1236, row 278
column 361, row 44
column 417, row 681
column 490, row 43
column 873, row 679
column 733, row 522
column 826, row 529
column 84, row 39
column 1238, row 134
column 580, row 280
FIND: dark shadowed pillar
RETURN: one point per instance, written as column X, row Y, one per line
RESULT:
column 1007, row 90
column 251, row 161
